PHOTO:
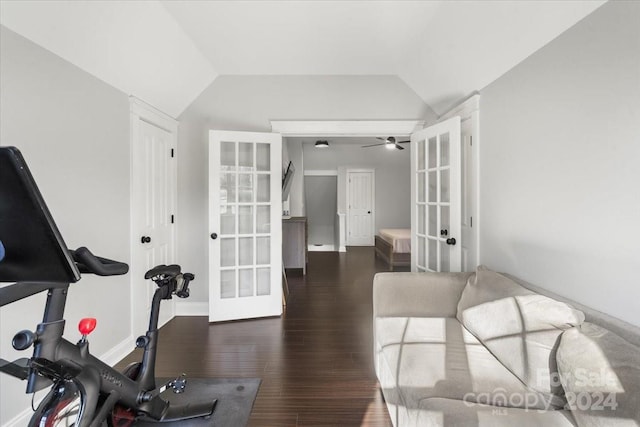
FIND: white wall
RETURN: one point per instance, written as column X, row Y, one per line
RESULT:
column 73, row 131
column 248, row 103
column 559, row 158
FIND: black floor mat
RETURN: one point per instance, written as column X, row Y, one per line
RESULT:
column 235, row 397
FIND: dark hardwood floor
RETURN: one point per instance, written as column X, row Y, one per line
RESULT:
column 315, row 361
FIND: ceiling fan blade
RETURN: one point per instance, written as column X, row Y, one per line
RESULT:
column 373, row 145
column 381, row 139
column 403, row 142
column 399, row 147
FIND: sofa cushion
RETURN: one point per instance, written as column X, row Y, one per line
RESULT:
column 521, row 328
column 422, row 357
column 600, row 372
column 437, row 412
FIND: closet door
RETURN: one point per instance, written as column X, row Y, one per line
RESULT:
column 436, row 198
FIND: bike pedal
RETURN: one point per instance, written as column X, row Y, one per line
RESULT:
column 178, row 385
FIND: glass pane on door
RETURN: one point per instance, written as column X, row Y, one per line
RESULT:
column 433, row 254
column 433, row 221
column 245, row 219
column 245, row 156
column 433, row 187
column 421, row 158
column 227, row 219
column 228, row 284
column 227, row 155
column 444, row 150
column 227, row 252
column 246, row 282
column 444, row 186
column 263, row 157
column 263, row 219
column 433, row 152
column 263, row 276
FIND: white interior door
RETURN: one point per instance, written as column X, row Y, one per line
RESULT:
column 435, row 198
column 154, row 186
column 360, row 203
column 245, row 210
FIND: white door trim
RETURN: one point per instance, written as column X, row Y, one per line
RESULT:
column 373, row 202
column 335, row 128
column 141, row 111
column 319, row 172
column 463, row 109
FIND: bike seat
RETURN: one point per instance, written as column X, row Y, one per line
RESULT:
column 164, row 270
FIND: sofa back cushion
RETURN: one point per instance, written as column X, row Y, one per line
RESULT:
column 521, row 328
column 600, row 373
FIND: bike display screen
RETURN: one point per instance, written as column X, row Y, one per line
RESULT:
column 33, row 247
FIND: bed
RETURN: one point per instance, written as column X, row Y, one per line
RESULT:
column 393, row 245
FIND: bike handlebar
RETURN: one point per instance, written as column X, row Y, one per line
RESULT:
column 89, row 263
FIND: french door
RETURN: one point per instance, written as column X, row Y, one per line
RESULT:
column 436, row 198
column 245, row 211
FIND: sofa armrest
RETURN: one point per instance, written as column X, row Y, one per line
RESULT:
column 417, row 294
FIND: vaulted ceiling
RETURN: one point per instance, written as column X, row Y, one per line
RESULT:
column 168, row 52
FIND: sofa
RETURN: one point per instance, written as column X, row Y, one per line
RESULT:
column 487, row 349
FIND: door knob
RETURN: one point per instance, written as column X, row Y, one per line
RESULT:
column 214, row 236
column 145, row 239
column 451, row 241
column 444, row 232
column 368, row 212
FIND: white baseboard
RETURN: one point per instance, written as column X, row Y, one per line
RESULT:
column 20, row 420
column 111, row 357
column 342, row 249
column 119, row 352
column 184, row 308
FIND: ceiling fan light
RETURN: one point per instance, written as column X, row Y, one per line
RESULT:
column 390, row 146
column 322, row 144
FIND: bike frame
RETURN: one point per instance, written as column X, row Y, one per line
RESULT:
column 60, row 359
column 55, row 358
column 35, row 259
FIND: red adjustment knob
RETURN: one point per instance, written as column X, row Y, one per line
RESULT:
column 87, row 325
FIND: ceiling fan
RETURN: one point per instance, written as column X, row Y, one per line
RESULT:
column 389, row 143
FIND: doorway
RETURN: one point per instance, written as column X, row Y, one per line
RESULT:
column 321, row 194
column 361, row 221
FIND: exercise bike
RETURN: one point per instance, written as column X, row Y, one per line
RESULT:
column 85, row 392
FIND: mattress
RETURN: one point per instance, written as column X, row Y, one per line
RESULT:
column 400, row 239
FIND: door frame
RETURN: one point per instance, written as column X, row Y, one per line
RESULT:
column 373, row 202
column 329, row 128
column 338, row 128
column 141, row 111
